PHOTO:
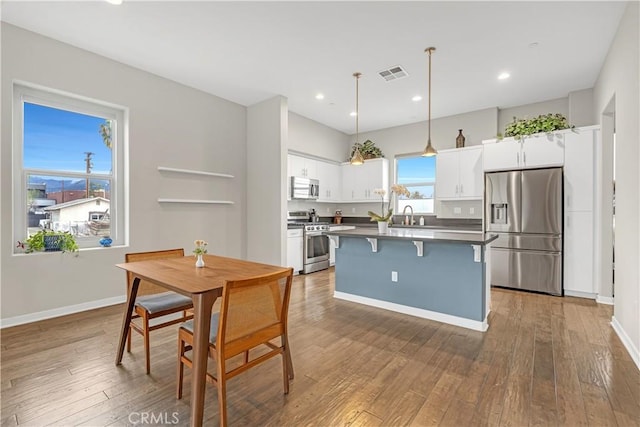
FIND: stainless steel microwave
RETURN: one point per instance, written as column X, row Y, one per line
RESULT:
column 304, row 188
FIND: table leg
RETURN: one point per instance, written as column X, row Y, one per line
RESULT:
column 202, row 305
column 126, row 320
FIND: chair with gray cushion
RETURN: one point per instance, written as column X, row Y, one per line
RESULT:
column 153, row 301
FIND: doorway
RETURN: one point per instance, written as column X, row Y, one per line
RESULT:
column 606, row 201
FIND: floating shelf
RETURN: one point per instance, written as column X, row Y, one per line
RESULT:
column 196, row 201
column 194, row 172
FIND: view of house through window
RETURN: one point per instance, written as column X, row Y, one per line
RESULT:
column 68, row 176
column 418, row 174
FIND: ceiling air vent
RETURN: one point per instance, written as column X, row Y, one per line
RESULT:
column 393, row 73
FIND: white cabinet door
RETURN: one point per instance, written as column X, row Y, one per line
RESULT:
column 302, row 166
column 459, row 174
column 579, row 170
column 358, row 182
column 447, row 176
column 578, row 253
column 471, row 174
column 329, row 177
column 501, row 155
column 294, row 250
column 542, row 151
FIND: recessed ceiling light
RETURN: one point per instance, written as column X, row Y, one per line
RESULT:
column 416, row 98
column 116, row 2
column 320, row 96
column 504, row 76
column 532, row 45
column 353, row 114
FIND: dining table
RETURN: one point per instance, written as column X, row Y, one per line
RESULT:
column 204, row 285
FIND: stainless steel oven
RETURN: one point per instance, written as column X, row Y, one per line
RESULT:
column 316, row 248
column 315, row 253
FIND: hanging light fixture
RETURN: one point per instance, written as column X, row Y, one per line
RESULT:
column 429, row 150
column 357, row 158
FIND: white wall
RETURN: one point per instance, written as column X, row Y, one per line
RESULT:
column 267, row 131
column 581, row 108
column 311, row 137
column 619, row 78
column 170, row 125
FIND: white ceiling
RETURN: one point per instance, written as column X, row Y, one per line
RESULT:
column 247, row 52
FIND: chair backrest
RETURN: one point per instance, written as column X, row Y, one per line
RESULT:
column 253, row 311
column 145, row 287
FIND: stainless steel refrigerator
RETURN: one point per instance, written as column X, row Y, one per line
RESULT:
column 525, row 209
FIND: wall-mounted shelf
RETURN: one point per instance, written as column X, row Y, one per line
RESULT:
column 194, row 172
column 196, row 201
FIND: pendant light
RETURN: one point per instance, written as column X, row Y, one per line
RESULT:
column 429, row 150
column 357, row 158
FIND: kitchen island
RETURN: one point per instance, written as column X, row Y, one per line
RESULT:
column 434, row 274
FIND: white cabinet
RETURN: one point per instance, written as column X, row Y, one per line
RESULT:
column 330, row 177
column 578, row 254
column 578, row 170
column 535, row 151
column 302, row 166
column 579, row 226
column 459, row 174
column 294, row 249
column 358, row 182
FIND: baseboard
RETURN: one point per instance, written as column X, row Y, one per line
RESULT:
column 417, row 312
column 604, row 300
column 61, row 311
column 628, row 344
column 580, row 294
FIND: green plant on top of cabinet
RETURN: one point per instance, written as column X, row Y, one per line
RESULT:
column 459, row 174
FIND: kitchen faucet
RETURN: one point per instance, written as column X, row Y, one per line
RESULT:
column 404, row 212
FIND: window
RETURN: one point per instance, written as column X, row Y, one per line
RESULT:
column 68, row 166
column 418, row 174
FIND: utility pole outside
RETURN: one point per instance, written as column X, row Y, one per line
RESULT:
column 87, row 160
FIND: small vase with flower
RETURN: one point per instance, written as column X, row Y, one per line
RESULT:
column 200, row 249
column 384, row 218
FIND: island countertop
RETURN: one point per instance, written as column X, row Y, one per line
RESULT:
column 441, row 235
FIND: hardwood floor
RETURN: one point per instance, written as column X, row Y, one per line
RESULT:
column 544, row 361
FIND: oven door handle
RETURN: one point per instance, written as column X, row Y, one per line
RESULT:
column 314, row 234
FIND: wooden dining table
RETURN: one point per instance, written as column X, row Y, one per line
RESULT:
column 203, row 285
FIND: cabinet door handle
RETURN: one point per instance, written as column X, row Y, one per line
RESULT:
column 518, row 159
column 461, row 189
column 524, row 159
column 456, row 188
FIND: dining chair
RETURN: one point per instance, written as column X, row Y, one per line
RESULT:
column 153, row 301
column 253, row 313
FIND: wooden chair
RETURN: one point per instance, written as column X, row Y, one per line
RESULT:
column 253, row 312
column 154, row 301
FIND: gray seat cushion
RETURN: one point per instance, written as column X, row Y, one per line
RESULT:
column 213, row 333
column 164, row 301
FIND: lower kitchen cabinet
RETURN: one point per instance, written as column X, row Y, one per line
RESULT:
column 295, row 249
column 578, row 254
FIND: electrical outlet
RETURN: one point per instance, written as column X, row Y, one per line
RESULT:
column 457, row 210
column 472, row 211
column 328, row 210
column 394, row 276
column 353, row 210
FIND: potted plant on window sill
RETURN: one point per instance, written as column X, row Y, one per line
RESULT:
column 50, row 241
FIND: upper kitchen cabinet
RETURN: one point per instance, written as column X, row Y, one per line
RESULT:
column 330, row 177
column 534, row 151
column 302, row 166
column 358, row 182
column 459, row 174
column 579, row 168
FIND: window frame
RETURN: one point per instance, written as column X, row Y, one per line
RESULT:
column 413, row 184
column 118, row 203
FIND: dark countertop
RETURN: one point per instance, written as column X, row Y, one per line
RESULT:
column 405, row 233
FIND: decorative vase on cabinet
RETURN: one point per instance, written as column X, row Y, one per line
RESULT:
column 460, row 139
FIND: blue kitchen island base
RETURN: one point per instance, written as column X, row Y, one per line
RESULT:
column 442, row 279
